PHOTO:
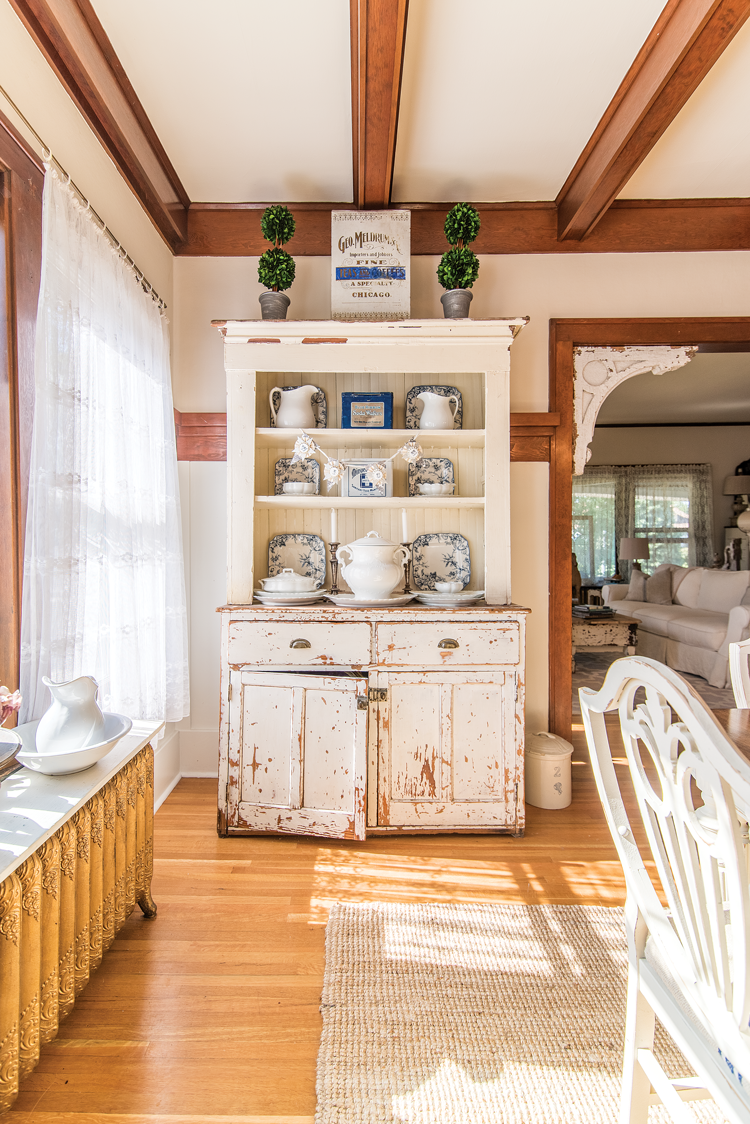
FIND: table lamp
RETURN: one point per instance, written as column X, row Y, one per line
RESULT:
column 737, row 486
column 632, row 549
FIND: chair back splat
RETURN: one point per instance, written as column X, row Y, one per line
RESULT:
column 688, row 960
column 739, row 655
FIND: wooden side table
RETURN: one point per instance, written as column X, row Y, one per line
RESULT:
column 617, row 633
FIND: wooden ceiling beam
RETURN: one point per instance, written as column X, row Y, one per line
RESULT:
column 72, row 39
column 629, row 226
column 685, row 42
column 378, row 34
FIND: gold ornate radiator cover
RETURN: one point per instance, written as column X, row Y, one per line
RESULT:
column 61, row 909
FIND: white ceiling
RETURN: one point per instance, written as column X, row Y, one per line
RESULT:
column 497, row 104
column 706, row 150
column 712, row 387
column 252, row 100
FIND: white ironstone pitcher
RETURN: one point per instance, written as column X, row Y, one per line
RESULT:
column 295, row 408
column 74, row 719
column 375, row 566
column 436, row 410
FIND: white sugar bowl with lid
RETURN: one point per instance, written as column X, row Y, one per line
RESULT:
column 375, row 566
column 288, row 582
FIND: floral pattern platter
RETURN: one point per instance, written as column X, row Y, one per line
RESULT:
column 305, row 554
column 319, row 405
column 440, row 557
column 430, row 470
column 413, row 411
column 305, row 472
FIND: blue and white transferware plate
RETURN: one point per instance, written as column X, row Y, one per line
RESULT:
column 413, row 411
column 304, row 472
column 440, row 557
column 430, row 470
column 319, row 405
column 305, row 554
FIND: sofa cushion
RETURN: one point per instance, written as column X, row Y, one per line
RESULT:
column 678, row 573
column 721, row 590
column 659, row 588
column 700, row 627
column 689, row 588
column 655, row 618
column 637, row 587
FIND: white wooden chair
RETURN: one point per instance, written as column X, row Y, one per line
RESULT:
column 688, row 963
column 739, row 654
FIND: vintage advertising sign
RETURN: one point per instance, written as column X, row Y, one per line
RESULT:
column 370, row 267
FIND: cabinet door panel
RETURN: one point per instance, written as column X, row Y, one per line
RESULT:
column 266, row 744
column 416, row 742
column 480, row 770
column 297, row 754
column 446, row 750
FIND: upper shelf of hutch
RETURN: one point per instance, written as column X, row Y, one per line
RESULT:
column 383, row 438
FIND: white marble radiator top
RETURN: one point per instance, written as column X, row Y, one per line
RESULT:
column 33, row 806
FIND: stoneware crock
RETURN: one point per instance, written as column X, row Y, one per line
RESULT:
column 375, row 566
column 73, row 720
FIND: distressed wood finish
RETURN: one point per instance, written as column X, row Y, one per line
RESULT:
column 685, row 42
column 55, row 910
column 72, row 39
column 21, row 184
column 297, row 754
column 629, row 226
column 708, row 333
column 444, row 744
column 378, row 34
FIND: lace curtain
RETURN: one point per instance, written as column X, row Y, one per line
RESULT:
column 104, row 590
column 671, row 505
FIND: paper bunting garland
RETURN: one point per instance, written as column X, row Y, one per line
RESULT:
column 306, row 447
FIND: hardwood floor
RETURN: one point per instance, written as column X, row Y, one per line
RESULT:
column 211, row 1011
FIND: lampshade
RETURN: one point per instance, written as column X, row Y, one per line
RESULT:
column 737, row 486
column 633, row 548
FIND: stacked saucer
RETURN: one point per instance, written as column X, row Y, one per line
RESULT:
column 289, row 597
column 435, row 600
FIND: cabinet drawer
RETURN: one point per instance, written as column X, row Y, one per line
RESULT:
column 418, row 645
column 263, row 643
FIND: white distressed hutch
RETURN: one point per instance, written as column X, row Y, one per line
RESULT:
column 334, row 721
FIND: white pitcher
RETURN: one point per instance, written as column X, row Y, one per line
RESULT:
column 436, row 410
column 295, row 408
column 74, row 719
column 375, row 566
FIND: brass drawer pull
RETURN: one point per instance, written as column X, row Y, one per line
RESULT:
column 300, row 644
column 448, row 643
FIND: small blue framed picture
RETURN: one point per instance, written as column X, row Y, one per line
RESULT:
column 367, row 409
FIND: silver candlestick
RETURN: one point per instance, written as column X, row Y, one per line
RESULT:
column 407, row 568
column 333, row 547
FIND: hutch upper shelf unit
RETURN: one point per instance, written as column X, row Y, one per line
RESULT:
column 417, row 723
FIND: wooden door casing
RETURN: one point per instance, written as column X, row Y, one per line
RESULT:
column 447, row 751
column 297, row 753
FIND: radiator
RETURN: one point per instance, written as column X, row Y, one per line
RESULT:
column 61, row 909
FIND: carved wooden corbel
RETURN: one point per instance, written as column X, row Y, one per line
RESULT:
column 598, row 370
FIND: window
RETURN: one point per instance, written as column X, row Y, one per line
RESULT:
column 668, row 504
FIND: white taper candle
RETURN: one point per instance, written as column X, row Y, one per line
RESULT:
column 404, row 530
column 334, row 526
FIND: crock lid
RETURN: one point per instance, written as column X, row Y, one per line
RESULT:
column 542, row 744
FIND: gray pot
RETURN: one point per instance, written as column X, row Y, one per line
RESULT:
column 456, row 303
column 273, row 306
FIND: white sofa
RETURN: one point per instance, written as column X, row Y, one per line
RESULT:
column 710, row 609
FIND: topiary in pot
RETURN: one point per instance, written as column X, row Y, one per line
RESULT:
column 276, row 268
column 459, row 266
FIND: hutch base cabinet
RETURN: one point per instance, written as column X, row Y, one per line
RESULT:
column 340, row 722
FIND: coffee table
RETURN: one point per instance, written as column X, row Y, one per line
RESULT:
column 617, row 633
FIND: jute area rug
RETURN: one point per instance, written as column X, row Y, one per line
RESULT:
column 477, row 1014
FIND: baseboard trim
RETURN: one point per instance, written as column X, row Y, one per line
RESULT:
column 165, row 793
